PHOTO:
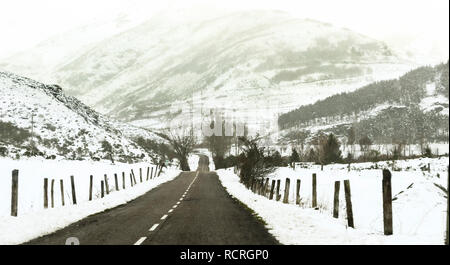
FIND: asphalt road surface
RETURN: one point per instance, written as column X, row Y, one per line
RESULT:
column 192, row 209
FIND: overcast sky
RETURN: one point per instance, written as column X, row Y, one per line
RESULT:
column 424, row 23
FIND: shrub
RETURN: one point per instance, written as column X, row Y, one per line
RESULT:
column 106, row 147
column 10, row 133
column 3, row 151
column 294, row 156
column 427, row 152
column 252, row 161
column 331, row 151
column 231, row 161
column 50, row 127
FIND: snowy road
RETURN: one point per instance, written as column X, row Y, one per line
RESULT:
column 193, row 208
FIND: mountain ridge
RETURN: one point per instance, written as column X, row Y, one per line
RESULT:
column 164, row 60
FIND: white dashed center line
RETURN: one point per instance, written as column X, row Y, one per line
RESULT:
column 142, row 239
column 153, row 227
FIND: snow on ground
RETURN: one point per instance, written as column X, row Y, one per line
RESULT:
column 419, row 206
column 34, row 221
column 386, row 149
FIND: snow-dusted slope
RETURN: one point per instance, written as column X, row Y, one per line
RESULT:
column 248, row 61
column 411, row 109
column 40, row 61
column 59, row 125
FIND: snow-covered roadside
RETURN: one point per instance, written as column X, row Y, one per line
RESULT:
column 292, row 224
column 419, row 206
column 35, row 221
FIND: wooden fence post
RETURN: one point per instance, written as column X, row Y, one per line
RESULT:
column 116, row 182
column 266, row 184
column 106, row 185
column 102, row 188
column 123, row 180
column 348, row 203
column 272, row 187
column 131, row 179
column 148, row 173
column 314, row 190
column 258, row 186
column 52, row 193
column 337, row 185
column 134, row 177
column 297, row 194
column 286, row 190
column 61, row 185
column 91, row 179
column 261, row 186
column 387, row 202
column 448, row 200
column 140, row 174
column 14, row 192
column 261, row 189
column 45, row 193
column 278, row 195
column 74, row 194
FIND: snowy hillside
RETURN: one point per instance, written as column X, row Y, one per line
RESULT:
column 40, row 61
column 412, row 109
column 259, row 63
column 38, row 119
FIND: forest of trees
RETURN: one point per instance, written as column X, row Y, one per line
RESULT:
column 408, row 89
column 407, row 123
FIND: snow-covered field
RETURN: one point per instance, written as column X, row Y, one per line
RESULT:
column 33, row 220
column 419, row 203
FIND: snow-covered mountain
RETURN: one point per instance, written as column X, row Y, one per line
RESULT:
column 39, row 119
column 254, row 63
column 40, row 61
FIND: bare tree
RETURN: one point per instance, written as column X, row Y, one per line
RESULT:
column 182, row 141
column 220, row 144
